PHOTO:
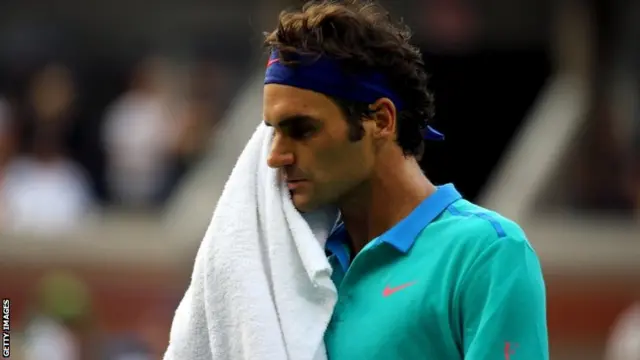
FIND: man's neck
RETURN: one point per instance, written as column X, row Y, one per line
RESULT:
column 391, row 194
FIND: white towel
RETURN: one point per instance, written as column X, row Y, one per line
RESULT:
column 261, row 286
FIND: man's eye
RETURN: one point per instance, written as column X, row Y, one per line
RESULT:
column 300, row 133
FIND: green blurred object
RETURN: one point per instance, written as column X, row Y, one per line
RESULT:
column 63, row 296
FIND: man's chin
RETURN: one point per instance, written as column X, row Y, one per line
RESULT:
column 302, row 203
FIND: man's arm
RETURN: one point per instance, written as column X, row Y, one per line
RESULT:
column 502, row 304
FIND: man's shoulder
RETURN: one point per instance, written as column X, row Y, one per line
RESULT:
column 468, row 228
column 469, row 218
column 468, row 237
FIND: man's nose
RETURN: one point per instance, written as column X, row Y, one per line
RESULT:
column 279, row 156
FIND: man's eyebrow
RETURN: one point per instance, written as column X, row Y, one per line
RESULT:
column 291, row 120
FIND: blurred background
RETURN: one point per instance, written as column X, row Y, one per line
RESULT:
column 120, row 122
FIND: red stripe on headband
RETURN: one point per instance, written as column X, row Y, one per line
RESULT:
column 272, row 61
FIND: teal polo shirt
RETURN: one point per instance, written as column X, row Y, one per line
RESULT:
column 450, row 281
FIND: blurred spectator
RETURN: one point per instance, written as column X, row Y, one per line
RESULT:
column 196, row 123
column 59, row 313
column 624, row 343
column 47, row 339
column 43, row 190
column 599, row 182
column 137, row 133
column 608, row 158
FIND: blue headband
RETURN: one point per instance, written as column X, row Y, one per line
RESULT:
column 325, row 76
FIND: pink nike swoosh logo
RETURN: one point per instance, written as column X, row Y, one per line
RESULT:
column 272, row 61
column 391, row 290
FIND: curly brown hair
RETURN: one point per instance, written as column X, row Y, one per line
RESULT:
column 361, row 36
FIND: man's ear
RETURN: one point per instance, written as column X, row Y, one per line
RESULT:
column 384, row 118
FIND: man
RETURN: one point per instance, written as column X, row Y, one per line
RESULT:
column 421, row 273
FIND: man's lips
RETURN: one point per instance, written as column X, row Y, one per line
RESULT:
column 294, row 184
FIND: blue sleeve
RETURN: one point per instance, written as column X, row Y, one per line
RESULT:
column 502, row 304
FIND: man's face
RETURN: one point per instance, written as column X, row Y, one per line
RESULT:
column 311, row 146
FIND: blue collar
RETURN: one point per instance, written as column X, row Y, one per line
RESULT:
column 404, row 234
